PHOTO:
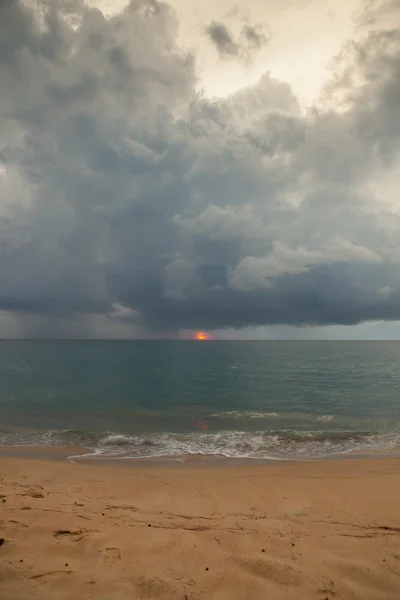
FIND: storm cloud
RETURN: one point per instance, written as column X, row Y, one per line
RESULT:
column 125, row 192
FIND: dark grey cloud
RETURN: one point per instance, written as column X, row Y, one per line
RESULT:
column 126, row 194
column 222, row 39
column 251, row 39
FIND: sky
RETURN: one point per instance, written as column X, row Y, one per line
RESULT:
column 200, row 165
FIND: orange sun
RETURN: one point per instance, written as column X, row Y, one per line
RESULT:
column 201, row 336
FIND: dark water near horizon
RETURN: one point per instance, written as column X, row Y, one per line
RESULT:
column 236, row 399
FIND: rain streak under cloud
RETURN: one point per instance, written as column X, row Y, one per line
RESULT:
column 130, row 201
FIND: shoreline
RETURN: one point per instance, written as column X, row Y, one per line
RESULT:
column 304, row 530
column 82, row 455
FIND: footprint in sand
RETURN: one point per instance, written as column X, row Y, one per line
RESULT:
column 110, row 556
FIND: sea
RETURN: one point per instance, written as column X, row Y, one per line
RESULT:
column 277, row 400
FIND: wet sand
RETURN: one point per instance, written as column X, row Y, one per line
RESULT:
column 298, row 531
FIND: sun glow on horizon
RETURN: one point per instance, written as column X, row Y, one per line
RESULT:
column 201, row 336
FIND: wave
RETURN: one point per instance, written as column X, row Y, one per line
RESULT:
column 64, row 437
column 237, row 444
column 325, row 418
column 245, row 414
column 273, row 444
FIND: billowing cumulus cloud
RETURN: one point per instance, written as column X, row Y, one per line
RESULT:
column 126, row 193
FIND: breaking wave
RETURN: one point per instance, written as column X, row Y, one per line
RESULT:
column 282, row 444
column 238, row 444
column 264, row 444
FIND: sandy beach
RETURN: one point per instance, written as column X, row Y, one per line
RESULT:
column 287, row 531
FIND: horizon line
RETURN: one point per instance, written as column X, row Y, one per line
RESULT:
column 78, row 339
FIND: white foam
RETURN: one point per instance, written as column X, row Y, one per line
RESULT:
column 284, row 445
column 245, row 414
column 325, row 418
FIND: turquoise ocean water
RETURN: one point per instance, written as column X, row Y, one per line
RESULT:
column 235, row 399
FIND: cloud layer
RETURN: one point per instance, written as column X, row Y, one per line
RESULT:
column 125, row 192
